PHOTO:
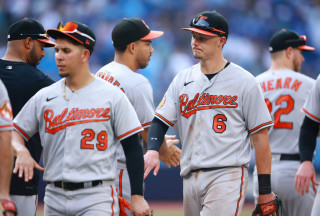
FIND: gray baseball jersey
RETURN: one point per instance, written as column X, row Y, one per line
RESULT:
column 5, row 109
column 285, row 92
column 138, row 90
column 311, row 107
column 216, row 117
column 79, row 133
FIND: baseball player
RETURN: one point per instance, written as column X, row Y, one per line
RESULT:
column 217, row 106
column 26, row 40
column 79, row 119
column 132, row 43
column 307, row 144
column 7, row 207
column 285, row 90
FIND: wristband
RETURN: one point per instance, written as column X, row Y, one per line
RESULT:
column 264, row 184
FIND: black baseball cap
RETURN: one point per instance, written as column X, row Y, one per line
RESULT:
column 130, row 30
column 78, row 32
column 209, row 23
column 283, row 39
column 25, row 28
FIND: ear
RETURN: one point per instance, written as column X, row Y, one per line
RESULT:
column 28, row 42
column 131, row 48
column 289, row 52
column 223, row 41
column 85, row 55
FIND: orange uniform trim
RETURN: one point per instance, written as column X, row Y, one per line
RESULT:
column 262, row 125
column 238, row 203
column 21, row 131
column 164, row 119
column 146, row 124
column 113, row 201
column 129, row 132
column 5, row 126
column 120, row 182
column 309, row 114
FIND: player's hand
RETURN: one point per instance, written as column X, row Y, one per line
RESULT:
column 151, row 161
column 25, row 164
column 7, row 208
column 172, row 156
column 267, row 203
column 304, row 175
column 139, row 206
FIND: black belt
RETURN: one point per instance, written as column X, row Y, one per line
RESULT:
column 213, row 168
column 292, row 157
column 74, row 185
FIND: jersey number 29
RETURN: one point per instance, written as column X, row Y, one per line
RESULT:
column 89, row 135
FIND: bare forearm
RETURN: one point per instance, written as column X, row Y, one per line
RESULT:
column 18, row 143
column 6, row 164
column 262, row 151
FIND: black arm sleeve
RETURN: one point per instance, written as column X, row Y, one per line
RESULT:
column 307, row 139
column 156, row 134
column 135, row 163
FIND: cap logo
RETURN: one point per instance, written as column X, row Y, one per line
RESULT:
column 145, row 24
column 87, row 42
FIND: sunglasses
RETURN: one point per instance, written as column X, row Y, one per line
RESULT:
column 202, row 24
column 71, row 28
column 41, row 36
column 297, row 42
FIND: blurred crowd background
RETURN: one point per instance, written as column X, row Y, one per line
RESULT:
column 251, row 24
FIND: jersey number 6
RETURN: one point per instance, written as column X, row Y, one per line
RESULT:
column 89, row 135
column 218, row 123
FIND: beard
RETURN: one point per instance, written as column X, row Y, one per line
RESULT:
column 33, row 59
column 296, row 66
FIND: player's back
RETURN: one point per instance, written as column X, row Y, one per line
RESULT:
column 285, row 92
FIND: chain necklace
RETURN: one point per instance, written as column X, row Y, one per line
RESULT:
column 64, row 91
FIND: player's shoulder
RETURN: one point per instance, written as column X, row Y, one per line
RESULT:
column 104, row 86
column 286, row 74
column 234, row 70
column 121, row 72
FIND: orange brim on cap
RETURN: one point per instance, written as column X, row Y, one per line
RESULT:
column 48, row 43
column 200, row 31
column 305, row 47
column 152, row 35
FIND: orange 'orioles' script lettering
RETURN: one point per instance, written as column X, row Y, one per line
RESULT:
column 205, row 101
column 75, row 116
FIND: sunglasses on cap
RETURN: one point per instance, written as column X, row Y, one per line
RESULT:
column 298, row 41
column 71, row 28
column 202, row 24
column 35, row 36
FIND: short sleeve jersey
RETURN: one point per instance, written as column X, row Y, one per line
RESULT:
column 79, row 131
column 136, row 87
column 5, row 109
column 214, row 117
column 285, row 92
column 312, row 105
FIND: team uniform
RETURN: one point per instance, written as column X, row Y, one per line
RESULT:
column 79, row 133
column 285, row 92
column 22, row 82
column 139, row 92
column 5, row 109
column 311, row 109
column 215, row 119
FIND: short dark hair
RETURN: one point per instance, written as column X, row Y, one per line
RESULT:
column 121, row 49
